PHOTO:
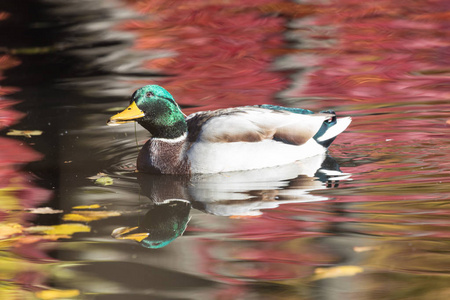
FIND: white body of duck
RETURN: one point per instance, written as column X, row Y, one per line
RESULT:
column 226, row 140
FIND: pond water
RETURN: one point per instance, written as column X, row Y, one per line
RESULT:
column 369, row 220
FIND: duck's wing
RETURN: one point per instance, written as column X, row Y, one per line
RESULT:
column 254, row 124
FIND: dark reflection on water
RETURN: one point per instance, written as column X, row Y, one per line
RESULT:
column 162, row 223
column 371, row 223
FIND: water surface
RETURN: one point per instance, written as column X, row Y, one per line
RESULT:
column 367, row 221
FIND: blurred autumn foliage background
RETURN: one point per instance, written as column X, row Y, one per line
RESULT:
column 385, row 63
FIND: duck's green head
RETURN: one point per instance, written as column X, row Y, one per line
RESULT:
column 154, row 109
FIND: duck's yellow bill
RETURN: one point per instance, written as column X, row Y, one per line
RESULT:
column 130, row 114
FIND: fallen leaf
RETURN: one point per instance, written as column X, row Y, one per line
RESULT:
column 44, row 210
column 92, row 206
column 57, row 294
column 62, row 229
column 340, row 271
column 88, row 216
column 104, row 181
column 25, row 133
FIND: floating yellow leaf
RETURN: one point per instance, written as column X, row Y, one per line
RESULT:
column 340, row 271
column 45, row 210
column 104, row 181
column 25, row 133
column 63, row 229
column 68, row 229
column 88, row 216
column 93, row 206
column 57, row 294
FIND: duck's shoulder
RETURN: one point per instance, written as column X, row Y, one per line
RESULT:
column 196, row 122
column 253, row 124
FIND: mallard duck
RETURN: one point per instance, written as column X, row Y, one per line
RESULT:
column 225, row 140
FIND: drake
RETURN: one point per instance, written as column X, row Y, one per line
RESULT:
column 225, row 140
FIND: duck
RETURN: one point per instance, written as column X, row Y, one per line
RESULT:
column 225, row 140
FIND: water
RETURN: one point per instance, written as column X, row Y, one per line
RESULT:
column 367, row 221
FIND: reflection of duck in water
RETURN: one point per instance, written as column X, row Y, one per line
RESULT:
column 243, row 193
column 163, row 223
column 242, row 138
column 246, row 193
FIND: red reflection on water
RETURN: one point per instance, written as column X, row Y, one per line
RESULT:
column 220, row 51
column 385, row 51
column 18, row 193
column 8, row 116
column 14, row 153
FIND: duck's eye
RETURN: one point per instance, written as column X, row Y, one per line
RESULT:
column 149, row 94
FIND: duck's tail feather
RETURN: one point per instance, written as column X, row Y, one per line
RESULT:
column 331, row 129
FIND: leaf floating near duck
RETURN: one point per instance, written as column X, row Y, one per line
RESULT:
column 225, row 140
column 25, row 133
column 104, row 181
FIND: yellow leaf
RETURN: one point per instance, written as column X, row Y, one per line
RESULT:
column 93, row 206
column 88, row 216
column 63, row 229
column 104, row 181
column 25, row 133
column 340, row 271
column 44, row 210
column 68, row 229
column 75, row 218
column 57, row 294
